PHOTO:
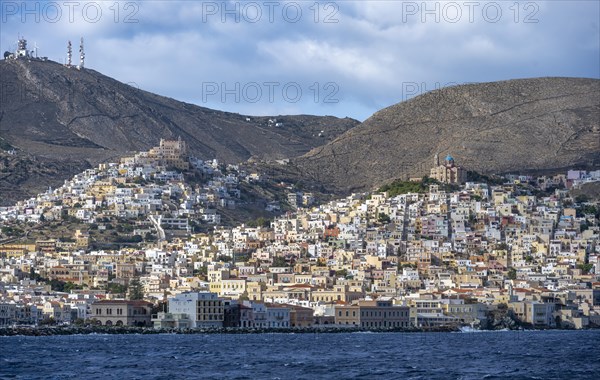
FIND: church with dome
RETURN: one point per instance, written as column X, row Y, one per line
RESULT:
column 448, row 171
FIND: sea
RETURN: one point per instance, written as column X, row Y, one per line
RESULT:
column 473, row 355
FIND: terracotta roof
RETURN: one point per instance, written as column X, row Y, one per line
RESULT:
column 124, row 302
column 458, row 290
column 522, row 290
column 277, row 305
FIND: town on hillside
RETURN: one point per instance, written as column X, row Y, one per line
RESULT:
column 142, row 242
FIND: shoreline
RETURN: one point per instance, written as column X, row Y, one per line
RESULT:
column 91, row 330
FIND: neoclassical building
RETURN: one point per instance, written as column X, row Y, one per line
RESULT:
column 448, row 172
column 122, row 313
column 172, row 153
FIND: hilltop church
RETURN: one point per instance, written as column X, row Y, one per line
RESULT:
column 448, row 172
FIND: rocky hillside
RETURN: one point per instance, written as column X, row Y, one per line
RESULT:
column 60, row 120
column 527, row 125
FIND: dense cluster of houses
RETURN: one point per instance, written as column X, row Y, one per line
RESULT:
column 368, row 260
column 146, row 184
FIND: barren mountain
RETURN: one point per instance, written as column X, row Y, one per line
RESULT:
column 61, row 120
column 528, row 125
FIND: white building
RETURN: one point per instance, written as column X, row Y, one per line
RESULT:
column 204, row 309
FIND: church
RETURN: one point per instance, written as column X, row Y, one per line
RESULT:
column 448, row 172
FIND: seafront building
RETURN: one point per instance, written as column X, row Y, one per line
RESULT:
column 121, row 313
column 202, row 309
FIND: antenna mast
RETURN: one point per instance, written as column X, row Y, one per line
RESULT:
column 81, row 55
column 69, row 53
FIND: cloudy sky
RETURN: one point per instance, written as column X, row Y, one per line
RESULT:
column 344, row 58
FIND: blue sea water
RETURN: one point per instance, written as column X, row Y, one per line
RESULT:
column 481, row 355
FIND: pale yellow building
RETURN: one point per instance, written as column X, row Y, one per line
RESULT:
column 448, row 172
column 172, row 152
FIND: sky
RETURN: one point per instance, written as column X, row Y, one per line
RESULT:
column 341, row 58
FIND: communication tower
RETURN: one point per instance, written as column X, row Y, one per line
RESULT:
column 81, row 55
column 22, row 48
column 69, row 54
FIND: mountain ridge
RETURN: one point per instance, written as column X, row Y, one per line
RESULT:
column 521, row 125
column 74, row 119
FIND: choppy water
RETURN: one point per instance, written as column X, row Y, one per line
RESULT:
column 486, row 355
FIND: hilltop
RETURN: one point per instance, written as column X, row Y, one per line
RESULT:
column 57, row 121
column 525, row 126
